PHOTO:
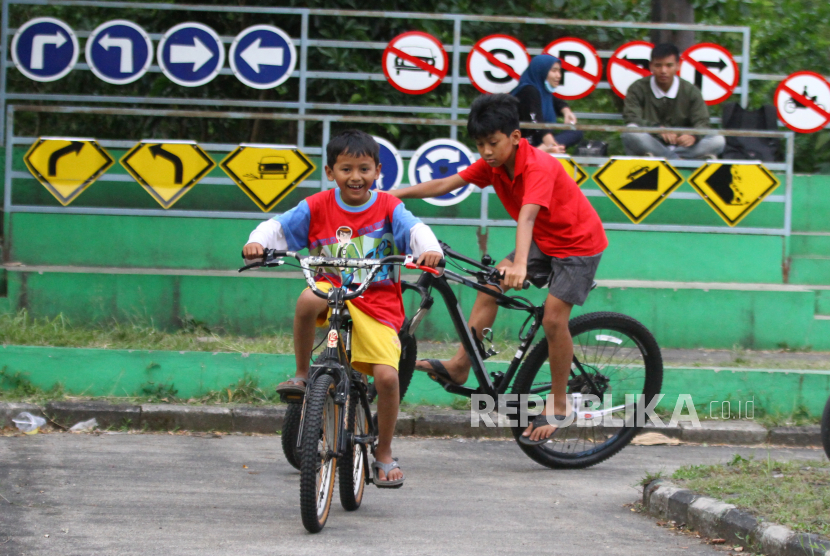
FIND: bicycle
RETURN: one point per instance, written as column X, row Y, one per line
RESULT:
column 614, row 355
column 336, row 429
column 825, row 428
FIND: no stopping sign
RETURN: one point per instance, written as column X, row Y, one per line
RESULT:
column 581, row 67
column 415, row 63
column 496, row 63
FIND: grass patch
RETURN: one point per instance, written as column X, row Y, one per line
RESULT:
column 795, row 494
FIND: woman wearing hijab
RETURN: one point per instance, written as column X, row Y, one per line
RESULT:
column 538, row 105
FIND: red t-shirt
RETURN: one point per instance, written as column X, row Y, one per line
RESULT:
column 567, row 225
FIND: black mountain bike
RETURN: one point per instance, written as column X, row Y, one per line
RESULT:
column 335, row 428
column 614, row 356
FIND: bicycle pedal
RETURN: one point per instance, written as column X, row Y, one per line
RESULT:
column 292, row 398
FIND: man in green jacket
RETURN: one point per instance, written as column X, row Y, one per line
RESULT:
column 665, row 100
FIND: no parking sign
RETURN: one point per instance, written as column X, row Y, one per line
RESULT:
column 803, row 102
column 496, row 63
column 712, row 69
column 415, row 63
column 581, row 67
column 629, row 63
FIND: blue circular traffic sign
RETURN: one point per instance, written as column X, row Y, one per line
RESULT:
column 45, row 49
column 441, row 158
column 191, row 54
column 262, row 56
column 119, row 52
column 391, row 166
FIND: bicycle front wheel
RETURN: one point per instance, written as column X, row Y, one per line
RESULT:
column 825, row 428
column 352, row 466
column 318, row 463
column 620, row 357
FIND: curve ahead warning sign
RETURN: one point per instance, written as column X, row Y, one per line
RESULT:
column 712, row 69
column 803, row 102
column 415, row 62
column 496, row 63
column 581, row 67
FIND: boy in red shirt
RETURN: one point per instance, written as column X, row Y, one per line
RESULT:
column 559, row 242
column 354, row 221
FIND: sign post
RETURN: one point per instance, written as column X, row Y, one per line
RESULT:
column 496, row 63
column 581, row 67
column 415, row 63
column 712, row 69
column 803, row 102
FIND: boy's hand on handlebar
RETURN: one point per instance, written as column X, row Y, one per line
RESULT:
column 253, row 251
column 431, row 259
column 514, row 275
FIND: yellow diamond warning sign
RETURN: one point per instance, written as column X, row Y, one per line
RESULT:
column 572, row 168
column 67, row 166
column 734, row 189
column 167, row 170
column 267, row 173
column 637, row 186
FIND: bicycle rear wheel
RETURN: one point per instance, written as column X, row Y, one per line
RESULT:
column 620, row 356
column 825, row 428
column 318, row 464
column 352, row 466
column 290, row 428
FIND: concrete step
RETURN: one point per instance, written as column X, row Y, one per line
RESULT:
column 810, row 269
column 816, row 244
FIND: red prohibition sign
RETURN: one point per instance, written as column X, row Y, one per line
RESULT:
column 417, row 63
column 478, row 49
column 617, row 60
column 801, row 99
column 566, row 66
column 702, row 69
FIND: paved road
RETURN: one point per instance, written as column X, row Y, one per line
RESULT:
column 147, row 494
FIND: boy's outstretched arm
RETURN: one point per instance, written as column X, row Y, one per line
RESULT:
column 515, row 274
column 431, row 188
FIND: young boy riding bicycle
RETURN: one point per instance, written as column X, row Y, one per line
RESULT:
column 559, row 242
column 354, row 221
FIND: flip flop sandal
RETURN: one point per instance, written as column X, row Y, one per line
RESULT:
column 439, row 372
column 293, row 385
column 541, row 421
column 387, row 467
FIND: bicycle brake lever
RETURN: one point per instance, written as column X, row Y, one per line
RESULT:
column 412, row 266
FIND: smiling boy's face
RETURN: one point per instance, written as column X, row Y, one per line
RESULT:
column 498, row 148
column 354, row 176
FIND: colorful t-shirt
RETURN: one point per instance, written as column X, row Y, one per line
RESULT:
column 567, row 225
column 331, row 228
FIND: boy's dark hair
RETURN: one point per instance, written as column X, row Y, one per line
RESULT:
column 492, row 113
column 664, row 50
column 353, row 142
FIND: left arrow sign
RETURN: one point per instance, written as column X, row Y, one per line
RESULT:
column 256, row 55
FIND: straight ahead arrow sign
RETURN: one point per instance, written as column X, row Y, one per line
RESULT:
column 126, row 47
column 198, row 54
column 256, row 55
column 39, row 43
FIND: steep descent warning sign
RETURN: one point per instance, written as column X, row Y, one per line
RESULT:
column 572, row 168
column 637, row 186
column 67, row 166
column 267, row 173
column 733, row 189
column 167, row 170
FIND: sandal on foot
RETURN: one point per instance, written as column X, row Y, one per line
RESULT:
column 387, row 467
column 294, row 385
column 439, row 372
column 541, row 420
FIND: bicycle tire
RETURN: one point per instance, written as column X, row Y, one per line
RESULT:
column 640, row 370
column 290, row 428
column 318, row 467
column 825, row 428
column 351, row 466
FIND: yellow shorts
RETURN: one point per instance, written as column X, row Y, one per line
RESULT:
column 373, row 343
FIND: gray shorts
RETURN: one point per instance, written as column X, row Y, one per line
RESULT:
column 569, row 279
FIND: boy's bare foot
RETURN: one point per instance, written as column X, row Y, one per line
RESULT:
column 456, row 373
column 537, row 431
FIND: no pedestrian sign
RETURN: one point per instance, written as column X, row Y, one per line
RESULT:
column 733, row 189
column 496, row 63
column 637, row 186
column 712, row 69
column 629, row 63
column 44, row 49
column 167, row 170
column 66, row 166
column 415, row 63
column 267, row 173
column 581, row 67
column 803, row 102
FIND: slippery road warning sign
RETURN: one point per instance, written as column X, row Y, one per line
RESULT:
column 267, row 173
column 637, row 186
column 167, row 170
column 496, row 63
column 581, row 67
column 415, row 62
column 803, row 102
column 629, row 63
column 733, row 189
column 66, row 166
column 712, row 69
